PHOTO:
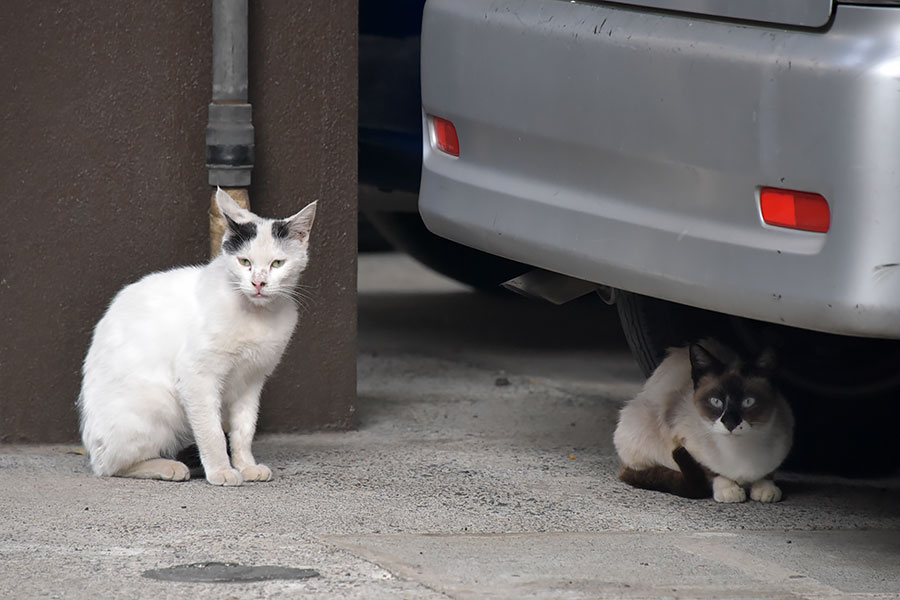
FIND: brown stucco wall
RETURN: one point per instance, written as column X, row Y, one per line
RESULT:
column 102, row 180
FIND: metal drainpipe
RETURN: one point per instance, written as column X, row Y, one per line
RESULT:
column 229, row 131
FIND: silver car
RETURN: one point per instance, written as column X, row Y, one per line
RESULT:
column 728, row 167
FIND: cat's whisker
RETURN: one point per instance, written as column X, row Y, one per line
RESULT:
column 289, row 294
column 302, row 298
column 302, row 294
column 298, row 298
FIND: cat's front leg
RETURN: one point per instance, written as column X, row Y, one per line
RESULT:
column 726, row 490
column 241, row 429
column 201, row 400
column 765, row 490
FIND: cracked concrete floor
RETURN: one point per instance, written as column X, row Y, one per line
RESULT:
column 482, row 468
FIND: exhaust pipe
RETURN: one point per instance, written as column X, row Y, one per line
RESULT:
column 230, row 149
column 557, row 288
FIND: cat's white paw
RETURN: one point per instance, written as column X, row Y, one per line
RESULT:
column 765, row 490
column 725, row 490
column 179, row 472
column 735, row 493
column 226, row 477
column 157, row 468
column 257, row 473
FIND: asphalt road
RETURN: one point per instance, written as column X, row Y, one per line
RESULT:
column 482, row 467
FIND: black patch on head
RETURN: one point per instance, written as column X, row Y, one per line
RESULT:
column 703, row 363
column 237, row 234
column 730, row 390
column 733, row 386
column 281, row 230
column 764, row 366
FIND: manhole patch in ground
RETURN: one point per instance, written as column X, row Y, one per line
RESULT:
column 217, row 572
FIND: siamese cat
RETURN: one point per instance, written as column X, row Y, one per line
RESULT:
column 706, row 423
column 180, row 357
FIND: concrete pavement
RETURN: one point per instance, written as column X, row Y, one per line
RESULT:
column 482, row 468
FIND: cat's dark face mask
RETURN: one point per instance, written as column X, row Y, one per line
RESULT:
column 736, row 394
column 734, row 399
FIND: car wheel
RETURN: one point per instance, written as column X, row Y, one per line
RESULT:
column 842, row 389
column 652, row 326
column 406, row 232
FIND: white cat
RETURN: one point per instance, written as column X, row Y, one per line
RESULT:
column 182, row 355
column 704, row 415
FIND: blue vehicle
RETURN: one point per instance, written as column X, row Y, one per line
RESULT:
column 390, row 148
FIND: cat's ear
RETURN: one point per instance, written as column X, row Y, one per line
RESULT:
column 704, row 363
column 301, row 223
column 231, row 210
column 765, row 363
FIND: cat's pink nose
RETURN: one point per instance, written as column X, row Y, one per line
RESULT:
column 259, row 286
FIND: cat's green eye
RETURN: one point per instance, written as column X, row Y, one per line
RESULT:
column 748, row 402
column 715, row 402
column 245, row 262
column 277, row 263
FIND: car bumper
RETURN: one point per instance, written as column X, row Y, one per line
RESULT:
column 627, row 147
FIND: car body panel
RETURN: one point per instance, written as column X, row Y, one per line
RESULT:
column 800, row 13
column 627, row 147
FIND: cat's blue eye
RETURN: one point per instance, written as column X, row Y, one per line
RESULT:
column 717, row 403
column 277, row 263
column 748, row 402
column 245, row 262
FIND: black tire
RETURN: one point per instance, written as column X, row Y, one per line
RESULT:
column 407, row 233
column 843, row 390
column 651, row 326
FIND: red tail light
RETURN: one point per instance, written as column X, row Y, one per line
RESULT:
column 445, row 137
column 795, row 210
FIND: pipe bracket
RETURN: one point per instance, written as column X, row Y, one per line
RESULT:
column 230, row 149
